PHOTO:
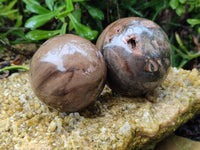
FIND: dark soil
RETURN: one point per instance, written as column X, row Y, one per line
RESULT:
column 191, row 129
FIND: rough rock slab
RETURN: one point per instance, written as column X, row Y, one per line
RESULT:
column 111, row 122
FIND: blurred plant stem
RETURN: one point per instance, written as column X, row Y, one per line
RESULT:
column 14, row 68
column 183, row 52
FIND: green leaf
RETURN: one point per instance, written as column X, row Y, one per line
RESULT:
column 191, row 8
column 8, row 10
column 50, row 4
column 59, row 8
column 180, row 10
column 15, row 31
column 39, row 20
column 183, row 55
column 19, row 20
column 69, row 5
column 193, row 22
column 3, row 1
column 135, row 11
column 69, row 8
column 36, row 35
column 4, row 39
column 7, row 13
column 199, row 29
column 182, row 1
column 77, row 14
column 63, row 14
column 178, row 39
column 95, row 12
column 1, row 48
column 12, row 4
column 62, row 19
column 63, row 29
column 80, row 0
column 83, row 30
column 173, row 4
column 158, row 9
column 35, row 7
column 182, row 63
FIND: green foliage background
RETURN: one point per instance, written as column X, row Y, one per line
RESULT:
column 25, row 21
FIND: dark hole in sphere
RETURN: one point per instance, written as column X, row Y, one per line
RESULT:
column 131, row 43
column 152, row 67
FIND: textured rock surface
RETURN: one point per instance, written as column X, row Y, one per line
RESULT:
column 111, row 122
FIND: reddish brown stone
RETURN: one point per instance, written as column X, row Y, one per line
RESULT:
column 67, row 72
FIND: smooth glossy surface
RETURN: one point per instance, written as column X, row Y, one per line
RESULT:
column 137, row 54
column 67, row 72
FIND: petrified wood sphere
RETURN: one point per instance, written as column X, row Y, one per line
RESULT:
column 67, row 72
column 137, row 54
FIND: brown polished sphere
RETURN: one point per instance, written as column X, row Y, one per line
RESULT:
column 67, row 72
column 137, row 54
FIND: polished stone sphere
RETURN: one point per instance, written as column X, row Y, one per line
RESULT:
column 67, row 73
column 137, row 53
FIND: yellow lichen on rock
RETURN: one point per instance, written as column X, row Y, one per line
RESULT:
column 111, row 122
